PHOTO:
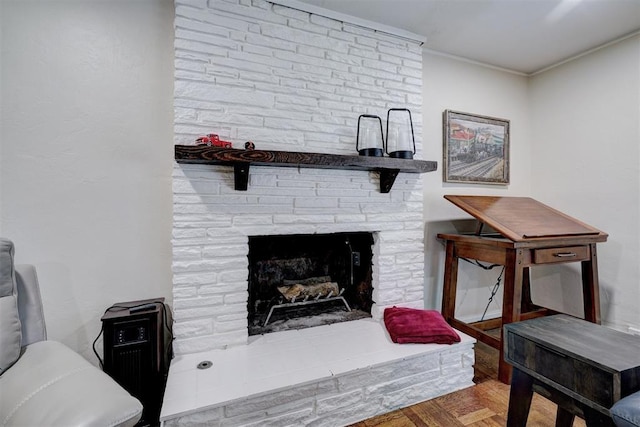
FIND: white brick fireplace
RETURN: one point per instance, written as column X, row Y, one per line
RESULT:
column 213, row 222
column 292, row 81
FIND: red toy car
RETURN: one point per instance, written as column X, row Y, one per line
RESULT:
column 213, row 140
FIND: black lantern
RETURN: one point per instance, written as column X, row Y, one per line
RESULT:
column 401, row 142
column 369, row 139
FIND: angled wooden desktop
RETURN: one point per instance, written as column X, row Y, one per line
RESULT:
column 527, row 233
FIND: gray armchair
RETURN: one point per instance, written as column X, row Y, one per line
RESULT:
column 626, row 412
column 45, row 383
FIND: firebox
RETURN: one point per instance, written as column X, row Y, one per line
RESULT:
column 304, row 280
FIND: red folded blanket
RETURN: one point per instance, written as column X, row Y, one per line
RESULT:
column 410, row 325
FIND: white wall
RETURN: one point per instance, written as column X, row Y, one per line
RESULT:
column 462, row 86
column 575, row 145
column 586, row 162
column 87, row 153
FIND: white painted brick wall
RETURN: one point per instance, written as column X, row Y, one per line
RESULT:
column 287, row 80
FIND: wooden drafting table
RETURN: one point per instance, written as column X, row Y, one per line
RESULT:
column 529, row 233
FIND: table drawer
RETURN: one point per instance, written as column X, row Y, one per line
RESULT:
column 584, row 379
column 567, row 254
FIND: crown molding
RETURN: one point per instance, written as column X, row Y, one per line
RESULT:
column 342, row 17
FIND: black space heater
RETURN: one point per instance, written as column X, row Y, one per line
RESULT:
column 138, row 351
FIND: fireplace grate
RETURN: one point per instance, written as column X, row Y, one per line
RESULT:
column 306, row 301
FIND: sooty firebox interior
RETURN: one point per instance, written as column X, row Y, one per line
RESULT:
column 303, row 280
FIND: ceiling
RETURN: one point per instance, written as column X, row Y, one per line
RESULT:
column 524, row 36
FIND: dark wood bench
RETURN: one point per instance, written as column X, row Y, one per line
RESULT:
column 583, row 367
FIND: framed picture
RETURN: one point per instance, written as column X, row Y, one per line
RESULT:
column 476, row 149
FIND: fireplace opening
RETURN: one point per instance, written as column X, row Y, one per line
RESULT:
column 304, row 280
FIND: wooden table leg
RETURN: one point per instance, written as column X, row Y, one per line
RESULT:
column 526, row 304
column 590, row 287
column 594, row 418
column 511, row 302
column 450, row 283
column 519, row 399
column 564, row 418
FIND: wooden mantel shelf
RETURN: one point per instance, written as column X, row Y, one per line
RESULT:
column 241, row 160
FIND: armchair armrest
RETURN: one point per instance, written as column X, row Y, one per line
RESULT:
column 30, row 305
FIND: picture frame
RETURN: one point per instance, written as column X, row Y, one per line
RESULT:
column 475, row 148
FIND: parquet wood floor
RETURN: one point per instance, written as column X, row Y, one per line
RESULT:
column 483, row 405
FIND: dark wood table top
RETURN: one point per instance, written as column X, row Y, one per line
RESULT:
column 611, row 350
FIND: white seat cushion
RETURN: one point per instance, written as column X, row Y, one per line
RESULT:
column 51, row 385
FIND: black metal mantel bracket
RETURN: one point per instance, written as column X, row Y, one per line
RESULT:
column 241, row 176
column 387, row 178
column 241, row 160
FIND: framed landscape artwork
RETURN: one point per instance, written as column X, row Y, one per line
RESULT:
column 476, row 149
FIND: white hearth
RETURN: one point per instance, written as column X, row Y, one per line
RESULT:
column 330, row 376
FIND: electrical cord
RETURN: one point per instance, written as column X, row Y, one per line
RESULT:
column 94, row 348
